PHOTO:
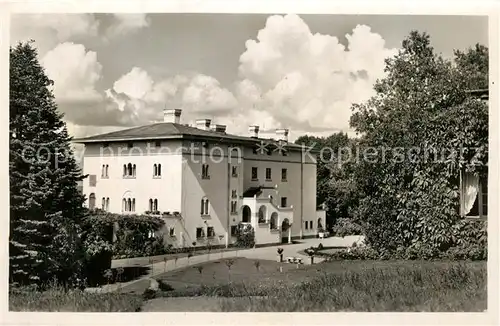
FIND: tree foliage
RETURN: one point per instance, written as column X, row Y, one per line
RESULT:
column 335, row 186
column 420, row 129
column 45, row 204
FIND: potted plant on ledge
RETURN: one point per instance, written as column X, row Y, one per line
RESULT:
column 322, row 233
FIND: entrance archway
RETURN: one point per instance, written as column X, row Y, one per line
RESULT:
column 246, row 214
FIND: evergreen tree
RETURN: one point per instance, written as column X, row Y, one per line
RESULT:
column 45, row 204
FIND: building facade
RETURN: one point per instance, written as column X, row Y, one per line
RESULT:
column 203, row 182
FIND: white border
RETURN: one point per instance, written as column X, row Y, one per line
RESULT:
column 489, row 8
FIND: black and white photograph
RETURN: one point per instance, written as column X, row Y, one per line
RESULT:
column 250, row 162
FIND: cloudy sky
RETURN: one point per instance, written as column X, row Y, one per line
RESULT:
column 301, row 72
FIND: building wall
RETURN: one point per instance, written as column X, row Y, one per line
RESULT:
column 216, row 189
column 291, row 188
column 167, row 188
column 181, row 186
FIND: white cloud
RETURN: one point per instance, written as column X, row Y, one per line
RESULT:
column 74, row 70
column 127, row 23
column 309, row 81
column 138, row 95
column 134, row 84
column 204, row 94
column 50, row 29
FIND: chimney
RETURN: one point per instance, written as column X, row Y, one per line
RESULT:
column 218, row 128
column 172, row 115
column 254, row 131
column 203, row 124
column 282, row 134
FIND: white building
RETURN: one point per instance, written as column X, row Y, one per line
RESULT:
column 203, row 181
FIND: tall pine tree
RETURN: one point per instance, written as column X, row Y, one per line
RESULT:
column 45, row 204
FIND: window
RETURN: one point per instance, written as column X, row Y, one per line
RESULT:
column 234, row 171
column 204, row 171
column 158, row 143
column 153, row 205
column 473, row 195
column 92, row 201
column 234, row 207
column 171, row 231
column 254, row 173
column 92, row 180
column 283, row 201
column 129, row 170
column 234, row 228
column 156, row 170
column 105, row 203
column 128, row 204
column 234, row 194
column 268, row 174
column 311, row 225
column 199, row 233
column 210, row 232
column 283, row 174
column 204, row 206
column 307, row 224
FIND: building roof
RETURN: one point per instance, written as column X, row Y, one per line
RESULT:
column 168, row 130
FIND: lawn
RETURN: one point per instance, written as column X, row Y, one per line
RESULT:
column 59, row 300
column 259, row 285
column 335, row 286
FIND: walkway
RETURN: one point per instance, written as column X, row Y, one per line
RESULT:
column 265, row 253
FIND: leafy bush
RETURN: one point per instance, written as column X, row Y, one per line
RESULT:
column 245, row 236
column 411, row 192
column 356, row 253
column 97, row 238
column 346, row 226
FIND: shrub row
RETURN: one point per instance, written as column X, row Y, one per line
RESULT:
column 464, row 252
column 346, row 226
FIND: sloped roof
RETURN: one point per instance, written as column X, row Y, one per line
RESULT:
column 252, row 191
column 168, row 130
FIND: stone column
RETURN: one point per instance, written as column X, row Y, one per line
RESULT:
column 290, row 234
column 227, row 239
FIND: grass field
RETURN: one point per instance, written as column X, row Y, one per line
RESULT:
column 336, row 286
column 252, row 285
column 59, row 300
